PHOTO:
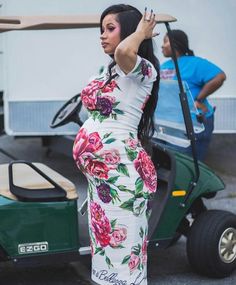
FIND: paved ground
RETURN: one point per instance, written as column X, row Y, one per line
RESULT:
column 166, row 267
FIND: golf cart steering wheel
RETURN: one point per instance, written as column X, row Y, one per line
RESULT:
column 69, row 112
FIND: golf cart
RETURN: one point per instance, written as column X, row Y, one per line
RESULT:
column 40, row 215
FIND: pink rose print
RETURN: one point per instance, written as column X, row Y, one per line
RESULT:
column 97, row 99
column 89, row 94
column 96, row 168
column 132, row 143
column 149, row 72
column 144, row 251
column 145, row 102
column 109, row 87
column 146, row 170
column 118, row 236
column 80, row 144
column 146, row 68
column 133, row 262
column 95, row 143
column 111, row 158
column 89, row 101
column 85, row 144
column 100, row 224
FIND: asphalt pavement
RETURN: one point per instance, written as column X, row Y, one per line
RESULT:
column 165, row 267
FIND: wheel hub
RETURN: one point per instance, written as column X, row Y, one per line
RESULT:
column 227, row 245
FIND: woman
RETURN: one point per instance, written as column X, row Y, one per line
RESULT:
column 202, row 77
column 109, row 147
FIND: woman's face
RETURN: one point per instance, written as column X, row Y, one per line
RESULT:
column 110, row 37
column 166, row 49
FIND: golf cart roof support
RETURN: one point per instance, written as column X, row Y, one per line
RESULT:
column 186, row 115
column 11, row 23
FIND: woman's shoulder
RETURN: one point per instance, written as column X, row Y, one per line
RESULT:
column 200, row 62
column 143, row 71
column 193, row 59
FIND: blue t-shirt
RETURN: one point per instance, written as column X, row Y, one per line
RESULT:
column 196, row 71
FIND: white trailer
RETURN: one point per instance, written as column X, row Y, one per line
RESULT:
column 42, row 69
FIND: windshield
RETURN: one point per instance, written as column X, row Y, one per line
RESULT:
column 169, row 120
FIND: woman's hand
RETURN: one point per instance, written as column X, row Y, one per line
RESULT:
column 127, row 50
column 147, row 25
column 201, row 106
column 208, row 88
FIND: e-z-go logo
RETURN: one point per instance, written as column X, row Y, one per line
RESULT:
column 35, row 247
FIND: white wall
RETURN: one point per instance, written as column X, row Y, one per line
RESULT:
column 57, row 64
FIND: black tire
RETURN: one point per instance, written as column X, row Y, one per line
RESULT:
column 210, row 230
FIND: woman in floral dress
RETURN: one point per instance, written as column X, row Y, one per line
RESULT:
column 109, row 148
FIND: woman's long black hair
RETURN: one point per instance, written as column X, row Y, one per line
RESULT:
column 128, row 18
column 180, row 41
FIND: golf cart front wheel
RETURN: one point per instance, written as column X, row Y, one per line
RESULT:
column 211, row 244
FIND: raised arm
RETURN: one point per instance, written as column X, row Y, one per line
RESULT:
column 126, row 52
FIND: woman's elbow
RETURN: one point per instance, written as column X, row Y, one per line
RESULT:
column 222, row 76
column 122, row 52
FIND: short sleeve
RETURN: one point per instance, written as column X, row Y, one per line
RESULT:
column 207, row 70
column 143, row 72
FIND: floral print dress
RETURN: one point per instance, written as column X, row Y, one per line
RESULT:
column 121, row 176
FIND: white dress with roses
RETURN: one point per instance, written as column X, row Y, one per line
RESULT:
column 121, row 176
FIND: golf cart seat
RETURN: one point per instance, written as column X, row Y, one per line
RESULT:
column 28, row 183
